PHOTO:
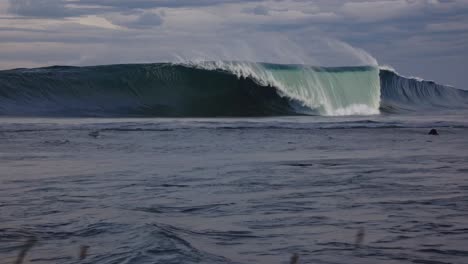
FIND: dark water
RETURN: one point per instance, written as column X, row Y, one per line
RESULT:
column 253, row 190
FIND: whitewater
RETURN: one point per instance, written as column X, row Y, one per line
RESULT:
column 231, row 162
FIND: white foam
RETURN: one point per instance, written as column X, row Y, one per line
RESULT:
column 355, row 109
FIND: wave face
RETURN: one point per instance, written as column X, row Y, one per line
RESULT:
column 211, row 89
column 410, row 94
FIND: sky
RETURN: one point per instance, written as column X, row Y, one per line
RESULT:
column 423, row 38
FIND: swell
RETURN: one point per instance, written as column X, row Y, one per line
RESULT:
column 212, row 89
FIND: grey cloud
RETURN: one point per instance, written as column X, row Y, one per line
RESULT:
column 447, row 27
column 143, row 4
column 39, row 8
column 16, row 29
column 258, row 10
column 63, row 8
column 53, row 9
column 146, row 20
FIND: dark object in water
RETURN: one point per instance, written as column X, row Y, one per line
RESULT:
column 294, row 259
column 57, row 142
column 360, row 237
column 94, row 134
column 83, row 252
column 433, row 132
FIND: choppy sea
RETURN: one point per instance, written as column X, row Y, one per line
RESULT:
column 362, row 189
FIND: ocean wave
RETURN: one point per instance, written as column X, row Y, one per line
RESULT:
column 401, row 93
column 217, row 88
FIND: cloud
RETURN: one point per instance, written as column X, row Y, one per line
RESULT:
column 146, row 20
column 39, row 8
column 258, row 10
column 145, row 4
column 378, row 10
column 95, row 21
column 382, row 10
column 448, row 27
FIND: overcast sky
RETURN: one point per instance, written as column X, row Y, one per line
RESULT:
column 425, row 38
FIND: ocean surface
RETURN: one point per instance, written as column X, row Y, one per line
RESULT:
column 155, row 164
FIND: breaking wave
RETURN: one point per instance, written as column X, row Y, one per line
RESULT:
column 401, row 93
column 213, row 89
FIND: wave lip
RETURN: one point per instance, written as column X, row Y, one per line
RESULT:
column 215, row 89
